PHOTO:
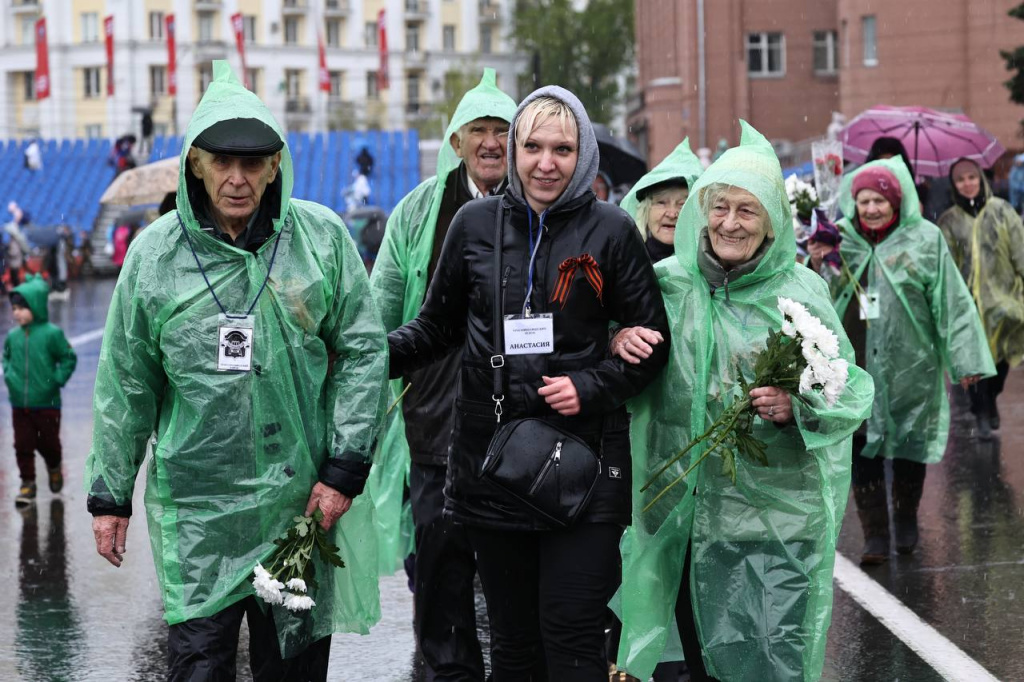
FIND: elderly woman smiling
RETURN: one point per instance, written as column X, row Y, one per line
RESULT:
column 742, row 571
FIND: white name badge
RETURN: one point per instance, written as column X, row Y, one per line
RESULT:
column 869, row 308
column 529, row 335
column 234, row 344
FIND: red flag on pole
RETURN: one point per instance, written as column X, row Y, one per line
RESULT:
column 42, row 61
column 382, row 44
column 325, row 77
column 239, row 28
column 108, row 34
column 172, row 57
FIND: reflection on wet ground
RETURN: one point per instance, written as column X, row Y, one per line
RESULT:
column 74, row 617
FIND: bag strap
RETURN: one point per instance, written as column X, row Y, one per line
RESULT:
column 498, row 359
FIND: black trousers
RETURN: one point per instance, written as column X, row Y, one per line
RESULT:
column 547, row 594
column 870, row 471
column 445, row 611
column 688, row 628
column 205, row 649
column 984, row 393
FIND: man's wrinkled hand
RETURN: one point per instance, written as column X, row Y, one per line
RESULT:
column 634, row 344
column 110, row 533
column 332, row 503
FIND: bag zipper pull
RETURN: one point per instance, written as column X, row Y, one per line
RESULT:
column 558, row 452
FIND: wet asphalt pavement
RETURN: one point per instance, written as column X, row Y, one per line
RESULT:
column 68, row 615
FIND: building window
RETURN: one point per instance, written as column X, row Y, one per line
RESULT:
column 412, row 39
column 449, row 38
column 291, row 31
column 486, row 40
column 91, row 82
column 249, row 28
column 766, row 54
column 826, row 52
column 371, row 85
column 333, row 33
column 370, row 33
column 156, row 25
column 337, row 80
column 157, row 80
column 90, row 27
column 205, row 27
column 205, row 76
column 412, row 6
column 28, row 30
column 94, row 130
column 29, row 79
column 293, row 83
column 253, row 76
column 868, row 28
column 412, row 93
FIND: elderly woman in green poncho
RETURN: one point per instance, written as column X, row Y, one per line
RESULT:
column 740, row 572
column 986, row 238
column 911, row 320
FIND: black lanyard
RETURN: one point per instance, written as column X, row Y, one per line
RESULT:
column 263, row 286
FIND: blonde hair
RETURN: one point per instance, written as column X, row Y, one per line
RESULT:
column 540, row 110
column 643, row 214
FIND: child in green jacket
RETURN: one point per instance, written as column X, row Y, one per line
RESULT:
column 38, row 361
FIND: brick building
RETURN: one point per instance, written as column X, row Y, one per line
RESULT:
column 786, row 65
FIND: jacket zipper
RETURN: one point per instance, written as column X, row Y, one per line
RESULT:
column 25, row 403
column 504, row 284
column 553, row 461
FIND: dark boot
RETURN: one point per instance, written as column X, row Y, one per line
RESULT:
column 907, row 486
column 874, row 520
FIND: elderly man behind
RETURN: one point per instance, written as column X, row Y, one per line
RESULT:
column 473, row 165
column 217, row 341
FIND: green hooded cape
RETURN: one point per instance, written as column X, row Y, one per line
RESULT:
column 928, row 325
column 399, row 284
column 680, row 163
column 38, row 360
column 236, row 454
column 763, row 549
column 996, row 280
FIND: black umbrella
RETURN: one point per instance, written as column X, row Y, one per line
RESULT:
column 620, row 159
column 42, row 235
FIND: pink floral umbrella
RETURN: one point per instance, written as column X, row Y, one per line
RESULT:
column 934, row 140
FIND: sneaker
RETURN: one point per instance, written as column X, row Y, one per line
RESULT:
column 26, row 494
column 56, row 480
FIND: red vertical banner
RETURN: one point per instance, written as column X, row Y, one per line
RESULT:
column 324, row 77
column 239, row 28
column 108, row 36
column 42, row 61
column 172, row 57
column 382, row 46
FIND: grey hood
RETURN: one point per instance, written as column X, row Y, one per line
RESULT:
column 586, row 165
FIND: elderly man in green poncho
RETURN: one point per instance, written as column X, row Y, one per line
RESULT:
column 470, row 166
column 215, row 355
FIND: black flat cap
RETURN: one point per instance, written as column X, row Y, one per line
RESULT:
column 240, row 137
column 659, row 186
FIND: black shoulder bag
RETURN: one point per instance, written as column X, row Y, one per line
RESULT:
column 547, row 469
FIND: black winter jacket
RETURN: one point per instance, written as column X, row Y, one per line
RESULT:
column 458, row 312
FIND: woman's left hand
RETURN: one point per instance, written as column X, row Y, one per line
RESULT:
column 965, row 382
column 561, row 395
column 773, row 404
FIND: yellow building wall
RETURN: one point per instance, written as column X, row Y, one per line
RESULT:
column 93, row 110
column 80, row 7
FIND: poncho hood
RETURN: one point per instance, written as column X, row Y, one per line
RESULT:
column 910, row 206
column 972, row 206
column 681, row 163
column 483, row 101
column 752, row 166
column 589, row 158
column 225, row 99
column 35, row 291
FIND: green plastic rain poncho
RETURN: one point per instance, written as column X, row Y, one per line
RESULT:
column 399, row 284
column 928, row 325
column 680, row 163
column 763, row 549
column 996, row 281
column 236, row 454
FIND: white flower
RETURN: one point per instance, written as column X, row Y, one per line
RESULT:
column 298, row 602
column 267, row 588
column 296, row 584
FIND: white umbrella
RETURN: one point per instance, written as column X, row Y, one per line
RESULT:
column 147, row 184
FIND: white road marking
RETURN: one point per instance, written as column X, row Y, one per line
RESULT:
column 77, row 341
column 941, row 654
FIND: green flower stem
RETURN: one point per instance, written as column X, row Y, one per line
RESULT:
column 398, row 400
column 733, row 414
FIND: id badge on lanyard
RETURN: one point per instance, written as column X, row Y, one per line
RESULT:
column 235, row 338
column 529, row 335
column 869, row 306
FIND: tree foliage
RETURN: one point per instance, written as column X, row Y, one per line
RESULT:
column 1015, row 63
column 582, row 50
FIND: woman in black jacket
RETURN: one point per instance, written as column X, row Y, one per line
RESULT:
column 582, row 262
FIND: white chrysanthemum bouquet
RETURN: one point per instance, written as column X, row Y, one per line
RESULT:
column 290, row 571
column 801, row 359
column 803, row 198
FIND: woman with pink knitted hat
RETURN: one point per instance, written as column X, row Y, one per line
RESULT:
column 911, row 320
